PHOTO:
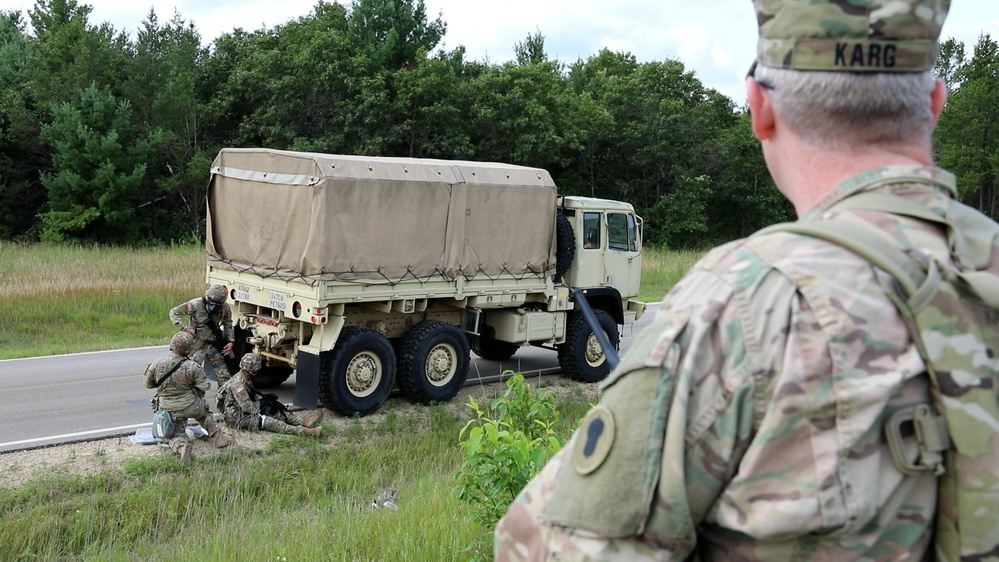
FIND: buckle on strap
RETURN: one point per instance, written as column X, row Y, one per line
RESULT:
column 931, row 435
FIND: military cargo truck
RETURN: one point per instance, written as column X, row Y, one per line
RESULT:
column 363, row 274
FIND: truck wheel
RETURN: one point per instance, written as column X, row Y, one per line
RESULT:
column 361, row 372
column 494, row 350
column 565, row 246
column 433, row 362
column 581, row 356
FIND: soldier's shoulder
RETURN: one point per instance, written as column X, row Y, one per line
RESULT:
column 234, row 381
column 159, row 362
column 738, row 266
column 191, row 366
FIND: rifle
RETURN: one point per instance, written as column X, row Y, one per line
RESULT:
column 270, row 404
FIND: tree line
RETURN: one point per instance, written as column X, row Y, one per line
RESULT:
column 105, row 138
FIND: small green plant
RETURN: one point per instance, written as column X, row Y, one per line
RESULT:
column 355, row 431
column 505, row 445
column 391, row 424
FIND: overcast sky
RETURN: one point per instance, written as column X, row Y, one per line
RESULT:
column 714, row 38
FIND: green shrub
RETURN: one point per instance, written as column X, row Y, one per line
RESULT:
column 505, row 445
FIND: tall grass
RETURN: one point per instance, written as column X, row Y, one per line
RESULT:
column 302, row 501
column 661, row 269
column 63, row 299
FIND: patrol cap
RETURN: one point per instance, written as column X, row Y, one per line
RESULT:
column 850, row 35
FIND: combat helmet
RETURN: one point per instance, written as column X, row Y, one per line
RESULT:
column 215, row 297
column 216, row 294
column 181, row 343
column 250, row 363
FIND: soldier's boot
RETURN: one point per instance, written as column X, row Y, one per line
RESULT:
column 313, row 431
column 182, row 448
column 313, row 419
column 215, row 434
column 220, row 440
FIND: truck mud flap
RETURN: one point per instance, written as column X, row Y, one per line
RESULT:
column 307, row 381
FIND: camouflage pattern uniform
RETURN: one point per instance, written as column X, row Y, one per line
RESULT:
column 854, row 36
column 242, row 410
column 182, row 394
column 747, row 421
column 199, row 319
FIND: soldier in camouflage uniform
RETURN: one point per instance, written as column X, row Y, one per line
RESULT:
column 180, row 386
column 748, row 421
column 204, row 313
column 241, row 407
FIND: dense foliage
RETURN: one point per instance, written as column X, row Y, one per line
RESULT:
column 108, row 138
column 505, row 444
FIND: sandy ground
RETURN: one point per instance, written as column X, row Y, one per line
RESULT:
column 91, row 457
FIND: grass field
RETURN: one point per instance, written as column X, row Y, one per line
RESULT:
column 301, row 500
column 65, row 299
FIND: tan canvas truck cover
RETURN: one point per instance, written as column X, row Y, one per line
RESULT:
column 319, row 217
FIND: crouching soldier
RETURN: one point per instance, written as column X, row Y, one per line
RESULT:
column 210, row 322
column 180, row 386
column 243, row 408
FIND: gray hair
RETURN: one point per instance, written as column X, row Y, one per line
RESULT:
column 844, row 109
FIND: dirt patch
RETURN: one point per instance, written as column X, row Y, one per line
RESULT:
column 92, row 457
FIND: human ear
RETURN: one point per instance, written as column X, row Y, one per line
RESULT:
column 761, row 112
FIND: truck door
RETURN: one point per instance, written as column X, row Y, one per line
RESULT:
column 623, row 258
column 588, row 269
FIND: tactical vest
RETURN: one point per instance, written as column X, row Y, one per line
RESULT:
column 952, row 313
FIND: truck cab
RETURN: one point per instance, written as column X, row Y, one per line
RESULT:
column 608, row 260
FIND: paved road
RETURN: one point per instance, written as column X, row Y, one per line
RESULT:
column 66, row 398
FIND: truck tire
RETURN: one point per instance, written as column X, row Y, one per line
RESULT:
column 270, row 376
column 360, row 372
column 487, row 347
column 433, row 362
column 565, row 246
column 581, row 357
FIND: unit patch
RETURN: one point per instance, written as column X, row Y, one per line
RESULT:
column 594, row 440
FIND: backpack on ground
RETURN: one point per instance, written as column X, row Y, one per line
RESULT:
column 952, row 314
column 163, row 427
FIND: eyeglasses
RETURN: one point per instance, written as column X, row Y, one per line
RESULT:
column 761, row 81
column 213, row 306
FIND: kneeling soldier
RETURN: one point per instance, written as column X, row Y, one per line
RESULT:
column 242, row 407
column 180, row 389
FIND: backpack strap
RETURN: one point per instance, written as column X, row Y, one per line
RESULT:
column 918, row 282
column 170, row 372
